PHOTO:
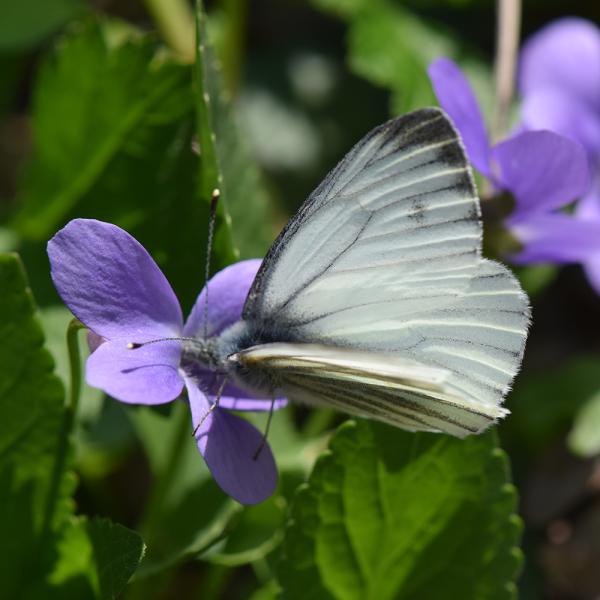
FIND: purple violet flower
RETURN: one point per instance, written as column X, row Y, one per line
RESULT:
column 559, row 81
column 112, row 285
column 543, row 170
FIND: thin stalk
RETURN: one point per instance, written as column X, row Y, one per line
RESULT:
column 507, row 45
column 75, row 365
column 64, row 442
column 234, row 44
column 175, row 21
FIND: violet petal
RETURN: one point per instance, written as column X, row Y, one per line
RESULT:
column 111, row 284
column 588, row 208
column 457, row 98
column 559, row 111
column 556, row 238
column 94, row 340
column 565, row 54
column 228, row 444
column 232, row 396
column 542, row 169
column 592, row 271
column 227, row 294
column 146, row 375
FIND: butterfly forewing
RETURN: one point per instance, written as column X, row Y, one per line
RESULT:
column 385, row 257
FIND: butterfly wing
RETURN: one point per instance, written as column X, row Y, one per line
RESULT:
column 367, row 384
column 385, row 257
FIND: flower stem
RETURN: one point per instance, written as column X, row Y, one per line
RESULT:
column 507, row 44
column 75, row 365
column 64, row 441
column 233, row 46
column 175, row 21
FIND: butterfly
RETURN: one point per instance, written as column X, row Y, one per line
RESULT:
column 375, row 298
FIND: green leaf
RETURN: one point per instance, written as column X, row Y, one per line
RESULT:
column 44, row 551
column 386, row 47
column 117, row 552
column 97, row 559
column 392, row 48
column 31, row 455
column 97, row 96
column 584, row 438
column 391, row 514
column 28, row 22
column 113, row 123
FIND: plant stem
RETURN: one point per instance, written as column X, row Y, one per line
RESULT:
column 175, row 21
column 507, row 44
column 75, row 365
column 64, row 442
column 233, row 46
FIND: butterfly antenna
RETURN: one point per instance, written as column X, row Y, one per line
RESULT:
column 214, row 405
column 136, row 345
column 214, row 200
column 266, row 433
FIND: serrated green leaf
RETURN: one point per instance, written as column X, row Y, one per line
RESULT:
column 96, row 559
column 32, row 488
column 390, row 514
column 116, row 551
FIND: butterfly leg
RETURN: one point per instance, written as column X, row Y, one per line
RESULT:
column 266, row 433
column 214, row 405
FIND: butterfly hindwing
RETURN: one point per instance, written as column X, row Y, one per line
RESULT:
column 392, row 390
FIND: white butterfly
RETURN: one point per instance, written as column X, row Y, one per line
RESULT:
column 375, row 299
